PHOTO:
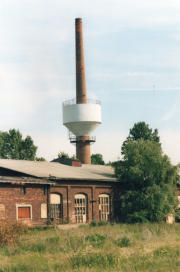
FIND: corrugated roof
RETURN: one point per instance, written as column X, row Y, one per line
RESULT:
column 59, row 171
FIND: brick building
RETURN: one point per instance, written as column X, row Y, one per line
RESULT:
column 37, row 191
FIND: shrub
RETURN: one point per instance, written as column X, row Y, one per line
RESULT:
column 123, row 242
column 102, row 223
column 10, row 232
column 177, row 215
column 137, row 218
column 93, row 223
column 97, row 240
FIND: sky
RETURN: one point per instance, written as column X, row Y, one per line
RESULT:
column 132, row 62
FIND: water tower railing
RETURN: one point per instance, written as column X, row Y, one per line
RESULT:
column 75, row 139
column 89, row 101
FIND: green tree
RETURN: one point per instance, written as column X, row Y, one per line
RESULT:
column 97, row 159
column 147, row 182
column 40, row 159
column 63, row 155
column 142, row 131
column 13, row 146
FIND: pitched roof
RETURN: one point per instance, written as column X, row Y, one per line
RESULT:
column 59, row 171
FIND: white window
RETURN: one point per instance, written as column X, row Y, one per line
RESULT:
column 55, row 207
column 104, row 207
column 43, row 210
column 80, row 208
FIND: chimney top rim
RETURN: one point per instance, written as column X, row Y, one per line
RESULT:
column 78, row 19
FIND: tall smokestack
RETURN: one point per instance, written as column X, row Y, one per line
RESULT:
column 80, row 68
column 83, row 144
column 84, row 116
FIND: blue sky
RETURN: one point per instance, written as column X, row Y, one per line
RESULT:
column 132, row 58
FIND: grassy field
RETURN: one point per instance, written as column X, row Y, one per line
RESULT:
column 146, row 247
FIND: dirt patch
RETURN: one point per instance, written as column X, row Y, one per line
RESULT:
column 69, row 226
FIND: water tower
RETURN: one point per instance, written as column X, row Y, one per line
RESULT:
column 81, row 115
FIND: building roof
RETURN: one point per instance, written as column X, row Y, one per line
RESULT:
column 59, row 171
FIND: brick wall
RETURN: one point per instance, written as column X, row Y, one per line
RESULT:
column 91, row 190
column 11, row 196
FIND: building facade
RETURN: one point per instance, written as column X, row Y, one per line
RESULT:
column 36, row 192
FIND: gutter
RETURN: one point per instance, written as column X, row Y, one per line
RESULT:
column 26, row 182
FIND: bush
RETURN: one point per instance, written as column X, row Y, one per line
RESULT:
column 96, row 240
column 177, row 215
column 123, row 242
column 93, row 223
column 137, row 217
column 102, row 223
column 10, row 232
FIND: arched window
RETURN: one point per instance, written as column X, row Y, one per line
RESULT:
column 80, row 208
column 104, row 207
column 55, row 207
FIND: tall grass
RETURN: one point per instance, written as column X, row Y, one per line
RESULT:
column 147, row 247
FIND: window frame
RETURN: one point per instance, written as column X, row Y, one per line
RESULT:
column 103, row 205
column 25, row 206
column 80, row 206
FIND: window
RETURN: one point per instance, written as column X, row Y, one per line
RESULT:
column 55, row 206
column 23, row 211
column 104, row 207
column 43, row 210
column 80, row 208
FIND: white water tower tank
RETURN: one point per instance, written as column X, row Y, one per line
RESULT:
column 82, row 119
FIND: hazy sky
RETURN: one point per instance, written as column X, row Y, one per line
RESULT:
column 132, row 58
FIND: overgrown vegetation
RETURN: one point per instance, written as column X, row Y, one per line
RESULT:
column 97, row 159
column 147, row 178
column 10, row 232
column 126, row 248
column 13, row 146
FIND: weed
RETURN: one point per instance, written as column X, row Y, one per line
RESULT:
column 74, row 243
column 93, row 260
column 96, row 239
column 166, row 251
column 102, row 223
column 10, row 232
column 154, row 247
column 93, row 224
column 123, row 242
